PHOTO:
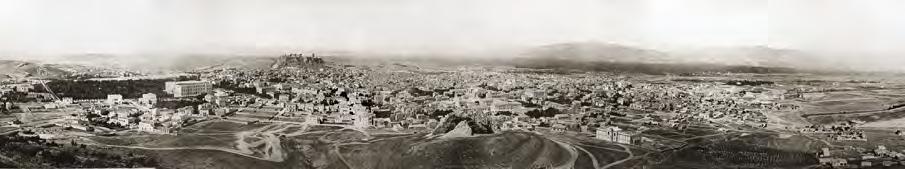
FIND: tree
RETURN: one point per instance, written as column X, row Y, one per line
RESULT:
column 549, row 112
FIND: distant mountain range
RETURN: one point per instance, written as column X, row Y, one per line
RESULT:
column 595, row 52
column 164, row 63
column 620, row 58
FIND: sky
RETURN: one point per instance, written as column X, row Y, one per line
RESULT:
column 227, row 26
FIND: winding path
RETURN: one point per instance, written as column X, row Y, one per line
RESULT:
column 630, row 157
column 593, row 158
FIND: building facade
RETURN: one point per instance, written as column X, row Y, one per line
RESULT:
column 148, row 98
column 114, row 98
column 188, row 88
column 617, row 135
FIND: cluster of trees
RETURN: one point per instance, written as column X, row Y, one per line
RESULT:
column 418, row 92
column 528, row 104
column 538, row 113
column 437, row 113
column 745, row 155
column 100, row 89
column 382, row 114
column 7, row 107
column 749, row 82
column 33, row 152
column 488, row 87
column 16, row 97
column 504, row 113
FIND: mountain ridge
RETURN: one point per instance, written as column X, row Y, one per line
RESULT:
column 22, row 69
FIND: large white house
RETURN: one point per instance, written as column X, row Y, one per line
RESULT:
column 616, row 134
column 188, row 88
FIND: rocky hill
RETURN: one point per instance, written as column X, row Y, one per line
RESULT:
column 462, row 130
column 457, row 125
column 20, row 69
column 298, row 60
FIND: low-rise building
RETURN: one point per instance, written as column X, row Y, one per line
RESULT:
column 148, row 98
column 188, row 88
column 114, row 98
column 617, row 135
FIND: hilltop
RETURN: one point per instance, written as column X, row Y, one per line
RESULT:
column 20, row 69
column 594, row 52
column 297, row 60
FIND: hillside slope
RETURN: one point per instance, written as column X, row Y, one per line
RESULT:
column 20, row 69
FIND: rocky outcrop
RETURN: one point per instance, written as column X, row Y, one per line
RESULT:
column 298, row 60
column 462, row 130
column 452, row 121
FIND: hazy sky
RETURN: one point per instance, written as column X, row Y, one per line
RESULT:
column 223, row 26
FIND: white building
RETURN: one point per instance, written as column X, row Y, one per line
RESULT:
column 500, row 106
column 148, row 98
column 151, row 127
column 615, row 134
column 146, row 127
column 114, row 98
column 188, row 88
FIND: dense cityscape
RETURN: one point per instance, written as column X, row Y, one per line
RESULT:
column 305, row 111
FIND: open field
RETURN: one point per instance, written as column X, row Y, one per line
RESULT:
column 162, row 141
column 866, row 117
column 220, row 126
column 864, row 105
column 281, row 145
column 197, row 158
column 258, row 141
column 847, row 101
column 855, row 99
column 892, row 123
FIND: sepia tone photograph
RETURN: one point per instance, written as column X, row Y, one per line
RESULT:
column 452, row 84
